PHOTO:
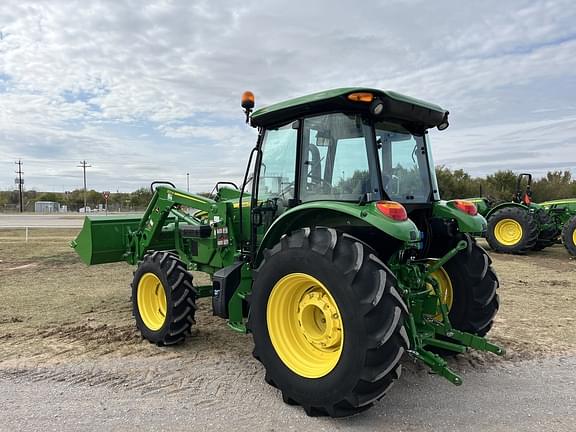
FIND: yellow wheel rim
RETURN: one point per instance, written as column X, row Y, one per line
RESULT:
column 151, row 301
column 446, row 290
column 305, row 325
column 574, row 237
column 508, row 232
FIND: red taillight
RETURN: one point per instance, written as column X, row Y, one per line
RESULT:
column 466, row 207
column 392, row 209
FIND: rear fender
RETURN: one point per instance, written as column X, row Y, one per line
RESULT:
column 466, row 223
column 504, row 205
column 347, row 217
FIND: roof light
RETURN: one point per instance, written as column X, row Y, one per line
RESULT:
column 248, row 100
column 248, row 104
column 393, row 210
column 361, row 97
column 466, row 207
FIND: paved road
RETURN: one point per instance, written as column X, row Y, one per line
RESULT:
column 530, row 396
column 56, row 221
column 46, row 221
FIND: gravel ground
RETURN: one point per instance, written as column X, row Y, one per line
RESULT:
column 527, row 396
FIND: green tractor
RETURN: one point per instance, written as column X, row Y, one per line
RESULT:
column 522, row 225
column 564, row 215
column 336, row 254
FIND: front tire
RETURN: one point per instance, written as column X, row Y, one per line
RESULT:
column 569, row 236
column 163, row 298
column 327, row 322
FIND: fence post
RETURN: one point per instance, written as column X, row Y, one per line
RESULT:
column 26, row 234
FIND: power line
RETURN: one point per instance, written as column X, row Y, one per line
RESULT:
column 84, row 166
column 20, row 182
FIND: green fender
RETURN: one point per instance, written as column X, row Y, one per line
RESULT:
column 509, row 204
column 466, row 223
column 335, row 213
column 567, row 204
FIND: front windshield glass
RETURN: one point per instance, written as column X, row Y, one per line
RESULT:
column 338, row 160
column 403, row 163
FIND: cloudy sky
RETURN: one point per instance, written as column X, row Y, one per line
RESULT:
column 146, row 91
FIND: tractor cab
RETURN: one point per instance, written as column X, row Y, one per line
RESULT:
column 352, row 145
column 359, row 146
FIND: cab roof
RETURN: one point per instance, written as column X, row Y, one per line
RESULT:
column 414, row 114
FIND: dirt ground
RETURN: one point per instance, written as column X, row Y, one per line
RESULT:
column 64, row 322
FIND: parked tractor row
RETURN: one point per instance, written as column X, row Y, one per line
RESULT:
column 521, row 225
column 336, row 253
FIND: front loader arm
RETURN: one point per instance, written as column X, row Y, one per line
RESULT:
column 165, row 202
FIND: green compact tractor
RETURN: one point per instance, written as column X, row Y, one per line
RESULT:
column 336, row 254
column 522, row 225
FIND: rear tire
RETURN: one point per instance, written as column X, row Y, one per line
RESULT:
column 372, row 317
column 475, row 300
column 163, row 298
column 512, row 230
column 569, row 236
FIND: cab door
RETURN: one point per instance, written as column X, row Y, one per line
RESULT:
column 275, row 174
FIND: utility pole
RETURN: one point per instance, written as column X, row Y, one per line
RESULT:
column 83, row 165
column 187, row 182
column 20, row 182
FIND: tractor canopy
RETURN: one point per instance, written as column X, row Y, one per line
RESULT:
column 414, row 114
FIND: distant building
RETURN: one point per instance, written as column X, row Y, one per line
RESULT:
column 46, row 207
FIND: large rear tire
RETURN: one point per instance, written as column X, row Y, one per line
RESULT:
column 512, row 230
column 569, row 236
column 163, row 298
column 475, row 299
column 327, row 322
column 472, row 286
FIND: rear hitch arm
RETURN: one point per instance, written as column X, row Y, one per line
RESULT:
column 423, row 329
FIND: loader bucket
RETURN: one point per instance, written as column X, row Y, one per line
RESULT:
column 104, row 239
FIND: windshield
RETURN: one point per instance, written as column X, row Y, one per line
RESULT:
column 403, row 163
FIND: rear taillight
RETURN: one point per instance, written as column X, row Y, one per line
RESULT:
column 466, row 207
column 393, row 210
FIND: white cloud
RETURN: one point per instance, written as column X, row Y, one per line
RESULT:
column 146, row 90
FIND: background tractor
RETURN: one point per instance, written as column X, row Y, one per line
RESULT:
column 521, row 225
column 336, row 254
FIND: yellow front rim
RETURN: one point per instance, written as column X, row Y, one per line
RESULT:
column 151, row 301
column 574, row 237
column 446, row 290
column 508, row 232
column 305, row 325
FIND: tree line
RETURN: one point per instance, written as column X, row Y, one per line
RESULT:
column 74, row 200
column 453, row 184
column 502, row 184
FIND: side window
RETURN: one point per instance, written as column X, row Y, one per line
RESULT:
column 278, row 167
column 404, row 166
column 337, row 167
column 351, row 167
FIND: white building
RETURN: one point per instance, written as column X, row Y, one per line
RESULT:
column 46, row 207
